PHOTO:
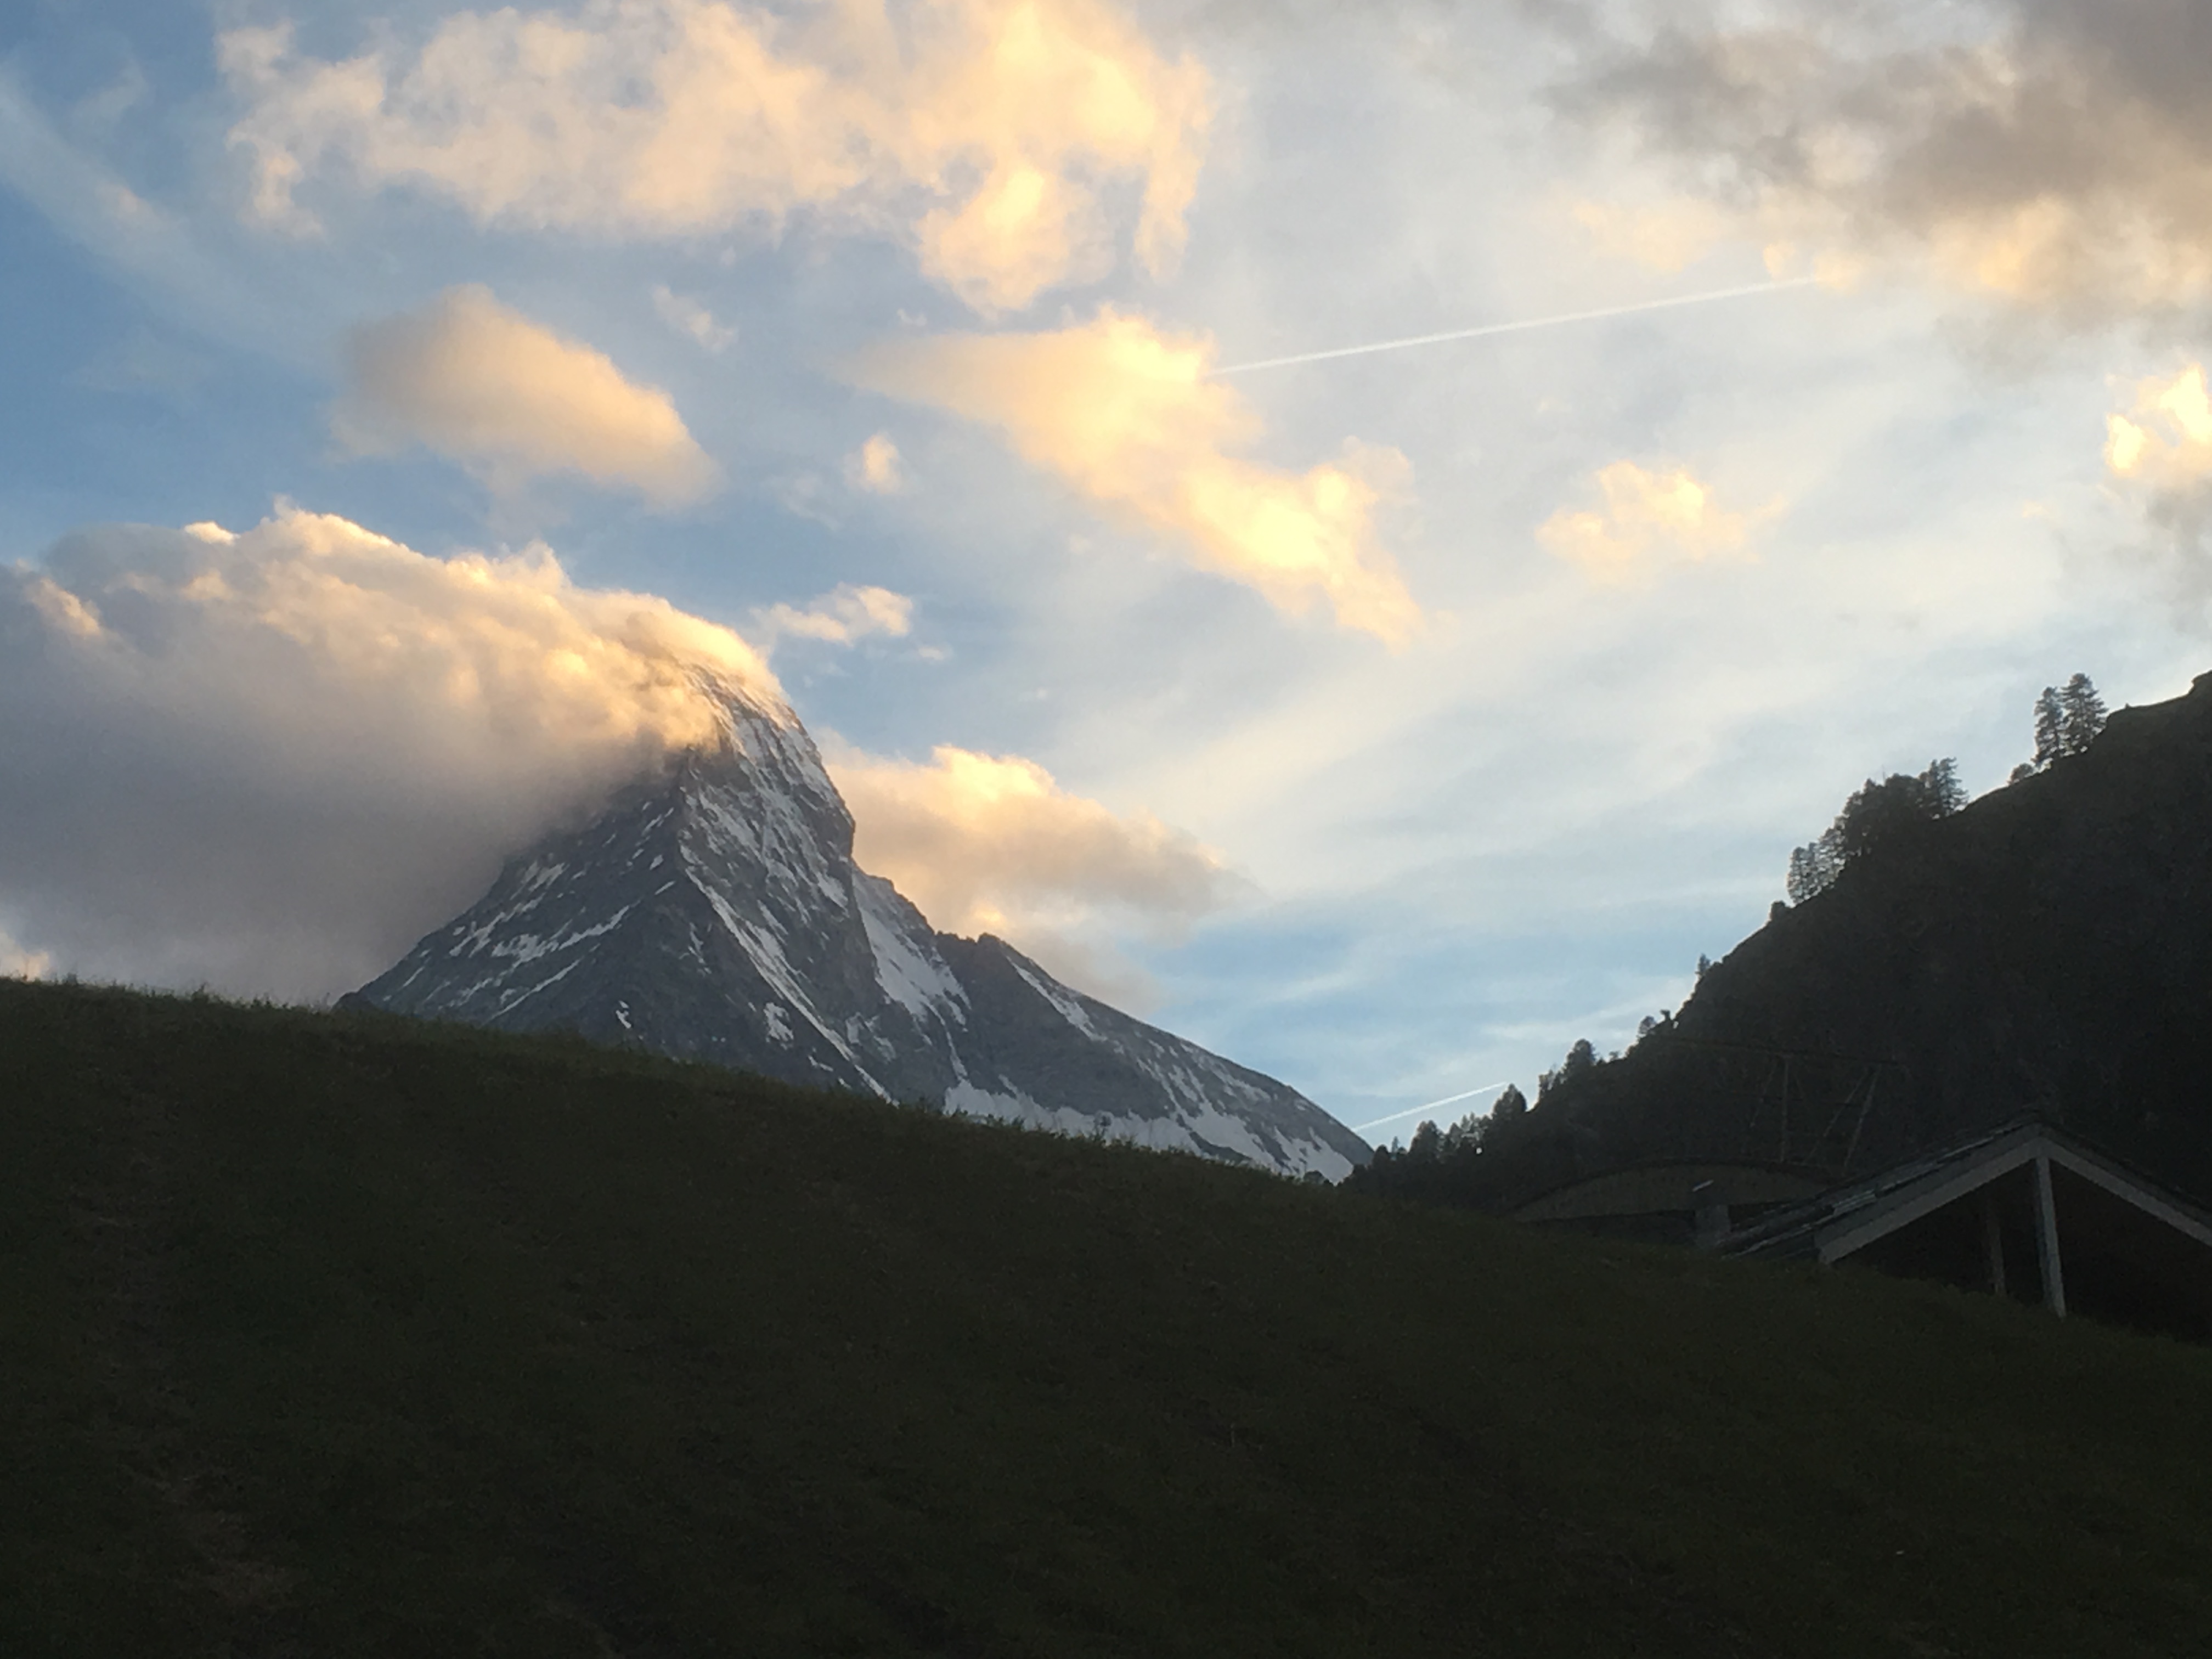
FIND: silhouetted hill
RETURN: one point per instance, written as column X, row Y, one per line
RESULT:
column 353, row 1335
column 2047, row 949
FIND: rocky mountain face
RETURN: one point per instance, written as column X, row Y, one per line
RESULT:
column 2048, row 949
column 714, row 912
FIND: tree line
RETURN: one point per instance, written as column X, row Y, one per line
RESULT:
column 1442, row 1162
column 2067, row 721
column 1442, row 1157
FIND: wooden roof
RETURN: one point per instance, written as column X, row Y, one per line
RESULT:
column 1847, row 1218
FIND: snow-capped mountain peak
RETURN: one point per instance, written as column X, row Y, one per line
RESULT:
column 714, row 911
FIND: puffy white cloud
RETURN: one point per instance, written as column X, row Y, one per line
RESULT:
column 688, row 317
column 991, row 844
column 268, row 762
column 875, row 467
column 1127, row 416
column 1648, row 518
column 2054, row 154
column 512, row 400
column 993, row 135
column 844, row 615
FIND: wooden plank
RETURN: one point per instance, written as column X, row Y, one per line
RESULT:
column 1993, row 1240
column 2120, row 1187
column 2047, row 1240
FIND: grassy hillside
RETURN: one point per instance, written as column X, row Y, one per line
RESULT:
column 326, row 1335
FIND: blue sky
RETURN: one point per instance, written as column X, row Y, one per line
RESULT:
column 1592, row 624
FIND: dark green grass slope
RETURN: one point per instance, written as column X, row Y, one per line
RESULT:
column 329, row 1336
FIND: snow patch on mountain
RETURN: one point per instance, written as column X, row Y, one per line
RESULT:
column 1069, row 1006
column 907, row 967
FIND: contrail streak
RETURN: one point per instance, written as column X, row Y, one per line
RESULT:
column 1516, row 328
column 1362, row 1128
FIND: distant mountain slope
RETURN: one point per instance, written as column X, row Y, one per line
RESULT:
column 2049, row 948
column 715, row 912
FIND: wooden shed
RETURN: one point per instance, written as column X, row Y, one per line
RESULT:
column 2026, row 1210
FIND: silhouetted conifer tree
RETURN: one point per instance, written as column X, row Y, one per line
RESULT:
column 2066, row 723
column 2082, row 716
column 1580, row 1058
column 2049, row 727
column 1941, row 791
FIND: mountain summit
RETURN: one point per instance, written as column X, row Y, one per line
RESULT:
column 714, row 912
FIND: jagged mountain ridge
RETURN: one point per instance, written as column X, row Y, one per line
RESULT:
column 714, row 912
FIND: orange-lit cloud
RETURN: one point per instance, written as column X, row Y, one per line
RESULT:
column 875, row 467
column 512, row 400
column 2160, row 452
column 305, row 744
column 2165, row 440
column 992, row 135
column 841, row 617
column 509, row 640
column 1649, row 518
column 1665, row 236
column 986, row 843
column 1126, row 415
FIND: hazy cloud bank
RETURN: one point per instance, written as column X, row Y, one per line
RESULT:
column 2055, row 154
